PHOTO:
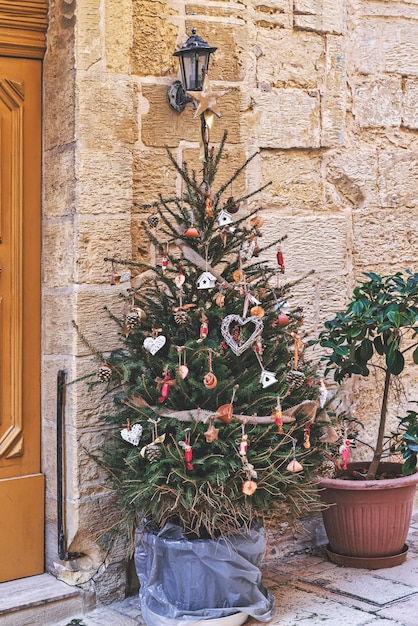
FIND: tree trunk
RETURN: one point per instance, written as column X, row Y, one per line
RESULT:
column 371, row 474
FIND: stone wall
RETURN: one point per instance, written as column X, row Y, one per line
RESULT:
column 326, row 93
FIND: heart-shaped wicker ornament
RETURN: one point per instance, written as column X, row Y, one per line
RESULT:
column 153, row 344
column 133, row 435
column 236, row 319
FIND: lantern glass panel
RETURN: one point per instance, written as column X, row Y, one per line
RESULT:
column 193, row 68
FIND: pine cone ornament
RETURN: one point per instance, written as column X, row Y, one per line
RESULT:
column 153, row 221
column 132, row 319
column 181, row 316
column 104, row 373
column 295, row 378
column 153, row 453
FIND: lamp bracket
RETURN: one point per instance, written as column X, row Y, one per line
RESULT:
column 177, row 97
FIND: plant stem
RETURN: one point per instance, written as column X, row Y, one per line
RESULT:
column 371, row 474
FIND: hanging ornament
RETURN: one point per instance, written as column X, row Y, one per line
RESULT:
column 267, row 378
column 256, row 222
column 323, row 393
column 182, row 369
column 238, row 276
column 257, row 311
column 232, row 206
column 249, row 487
column 131, row 434
column 282, row 320
column 209, row 207
column 230, row 320
column 280, row 259
column 114, row 276
column 278, row 417
column 204, row 328
column 248, row 247
column 192, row 233
column 306, row 436
column 298, row 348
column 220, row 300
column 209, row 380
column 206, row 281
column 243, row 446
column 179, row 280
column 104, row 373
column 206, row 99
column 223, row 218
column 225, row 412
column 164, row 384
column 155, row 342
column 294, row 466
column 295, row 378
column 211, row 434
column 188, row 453
column 152, row 451
column 153, row 220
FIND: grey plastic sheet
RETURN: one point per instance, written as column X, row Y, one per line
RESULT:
column 184, row 581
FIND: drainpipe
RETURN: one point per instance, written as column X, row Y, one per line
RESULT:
column 63, row 553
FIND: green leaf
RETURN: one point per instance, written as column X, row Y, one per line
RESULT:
column 395, row 360
column 415, row 355
column 378, row 344
column 365, row 351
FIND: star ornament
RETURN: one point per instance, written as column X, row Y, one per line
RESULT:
column 206, row 99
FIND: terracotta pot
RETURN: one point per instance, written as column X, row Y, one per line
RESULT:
column 368, row 519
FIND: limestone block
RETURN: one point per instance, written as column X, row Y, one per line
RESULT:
column 88, row 37
column 58, row 182
column 296, row 179
column 290, row 59
column 353, row 175
column 118, row 35
column 378, row 102
column 106, row 112
column 57, row 331
column 96, row 239
column 287, row 118
column 58, row 258
column 91, row 475
column 154, row 38
column 104, row 181
column 333, row 101
column 59, row 80
column 410, row 104
column 366, row 53
column 49, row 459
column 313, row 242
column 396, row 233
column 273, row 15
column 161, row 126
column 217, row 9
column 320, row 15
column 142, row 250
column 231, row 41
column 398, row 173
column 153, row 174
column 400, row 47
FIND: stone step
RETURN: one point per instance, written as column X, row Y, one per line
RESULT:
column 38, row 601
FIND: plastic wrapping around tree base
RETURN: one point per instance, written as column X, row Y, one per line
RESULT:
column 184, row 582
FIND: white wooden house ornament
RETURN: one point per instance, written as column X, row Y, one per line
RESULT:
column 223, row 218
column 267, row 378
column 206, row 281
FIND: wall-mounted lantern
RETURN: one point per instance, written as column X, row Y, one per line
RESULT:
column 194, row 62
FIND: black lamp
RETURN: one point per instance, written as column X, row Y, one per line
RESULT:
column 194, row 62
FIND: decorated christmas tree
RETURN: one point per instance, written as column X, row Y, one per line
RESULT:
column 218, row 417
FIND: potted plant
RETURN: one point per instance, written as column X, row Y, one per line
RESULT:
column 214, row 433
column 373, row 500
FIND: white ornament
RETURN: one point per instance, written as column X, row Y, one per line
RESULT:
column 133, row 435
column 223, row 218
column 153, row 344
column 267, row 378
column 231, row 319
column 206, row 281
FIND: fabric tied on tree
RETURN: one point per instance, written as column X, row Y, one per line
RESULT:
column 183, row 581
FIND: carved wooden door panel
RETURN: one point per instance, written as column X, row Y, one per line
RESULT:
column 21, row 482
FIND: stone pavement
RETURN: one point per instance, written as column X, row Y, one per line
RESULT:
column 311, row 591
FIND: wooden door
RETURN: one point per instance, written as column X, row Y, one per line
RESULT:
column 21, row 481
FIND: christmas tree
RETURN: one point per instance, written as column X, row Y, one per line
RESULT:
column 218, row 421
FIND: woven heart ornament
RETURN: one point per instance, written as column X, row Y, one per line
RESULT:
column 153, row 344
column 233, row 320
column 132, row 435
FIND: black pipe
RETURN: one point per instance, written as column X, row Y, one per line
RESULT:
column 63, row 554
